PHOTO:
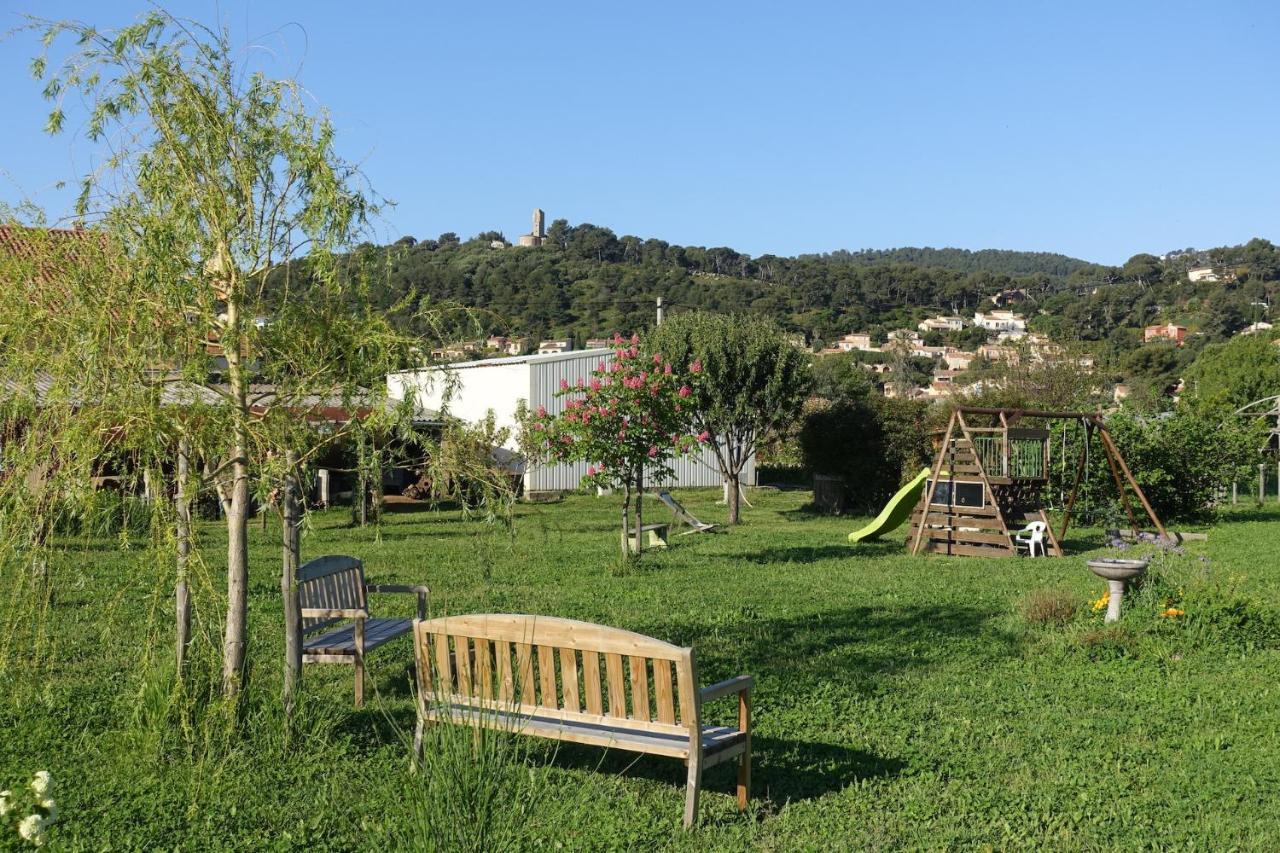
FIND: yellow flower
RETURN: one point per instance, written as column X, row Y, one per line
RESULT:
column 1103, row 601
column 1172, row 612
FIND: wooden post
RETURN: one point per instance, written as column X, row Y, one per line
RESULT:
column 1124, row 497
column 1262, row 483
column 323, row 486
column 1137, row 490
column 290, row 547
column 182, row 590
column 933, row 484
column 1235, row 492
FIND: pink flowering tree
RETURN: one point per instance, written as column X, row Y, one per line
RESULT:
column 630, row 420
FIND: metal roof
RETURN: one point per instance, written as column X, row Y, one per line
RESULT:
column 511, row 359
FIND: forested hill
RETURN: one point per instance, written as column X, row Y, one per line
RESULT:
column 587, row 281
column 1001, row 261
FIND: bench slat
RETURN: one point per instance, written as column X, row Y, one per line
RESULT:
column 547, row 677
column 662, row 691
column 591, row 682
column 444, row 671
column 554, row 632
column 569, row 679
column 341, row 641
column 524, row 664
column 639, row 689
column 617, row 690
column 715, row 739
column 462, row 662
column 484, row 668
column 506, row 684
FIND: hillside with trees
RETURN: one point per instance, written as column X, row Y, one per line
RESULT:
column 585, row 281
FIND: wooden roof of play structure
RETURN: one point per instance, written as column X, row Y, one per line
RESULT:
column 989, row 477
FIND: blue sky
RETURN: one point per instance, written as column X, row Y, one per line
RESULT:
column 1094, row 129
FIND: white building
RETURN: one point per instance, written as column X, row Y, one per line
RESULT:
column 1202, row 274
column 555, row 347
column 856, row 341
column 941, row 323
column 498, row 384
column 1000, row 321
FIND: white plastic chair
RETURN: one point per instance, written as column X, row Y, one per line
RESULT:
column 1032, row 536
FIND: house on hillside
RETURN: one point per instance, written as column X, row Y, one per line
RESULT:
column 555, row 347
column 1254, row 328
column 1198, row 274
column 1168, row 331
column 499, row 384
column 860, row 341
column 1000, row 320
column 941, row 323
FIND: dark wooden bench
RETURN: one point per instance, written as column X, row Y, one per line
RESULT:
column 581, row 683
column 332, row 595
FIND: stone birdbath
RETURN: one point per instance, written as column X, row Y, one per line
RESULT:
column 1117, row 573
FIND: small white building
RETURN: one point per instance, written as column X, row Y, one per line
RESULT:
column 499, row 384
column 1202, row 274
column 555, row 347
column 1000, row 321
column 860, row 341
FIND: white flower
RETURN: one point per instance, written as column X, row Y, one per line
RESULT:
column 4, row 802
column 32, row 829
column 51, row 809
column 41, row 783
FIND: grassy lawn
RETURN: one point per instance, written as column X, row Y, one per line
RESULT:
column 900, row 702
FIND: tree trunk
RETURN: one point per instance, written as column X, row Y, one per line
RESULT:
column 626, row 520
column 235, row 639
column 639, row 507
column 182, row 592
column 290, row 548
column 734, row 494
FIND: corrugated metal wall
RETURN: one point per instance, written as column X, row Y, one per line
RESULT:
column 544, row 380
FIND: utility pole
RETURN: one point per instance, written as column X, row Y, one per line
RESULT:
column 659, row 310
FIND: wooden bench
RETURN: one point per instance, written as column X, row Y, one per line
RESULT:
column 332, row 590
column 656, row 536
column 581, row 683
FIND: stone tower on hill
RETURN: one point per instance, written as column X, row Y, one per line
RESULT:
column 539, row 232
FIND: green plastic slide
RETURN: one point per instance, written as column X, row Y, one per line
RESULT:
column 896, row 511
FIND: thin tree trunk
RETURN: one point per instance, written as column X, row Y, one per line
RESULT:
column 182, row 592
column 735, row 498
column 289, row 584
column 626, row 519
column 639, row 506
column 235, row 639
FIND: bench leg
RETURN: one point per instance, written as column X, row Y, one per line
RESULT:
column 744, row 779
column 359, row 681
column 417, row 744
column 691, row 791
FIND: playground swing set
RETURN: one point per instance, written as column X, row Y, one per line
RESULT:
column 984, row 495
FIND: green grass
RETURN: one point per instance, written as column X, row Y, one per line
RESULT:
column 900, row 702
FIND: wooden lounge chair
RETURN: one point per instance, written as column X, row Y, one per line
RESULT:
column 614, row 689
column 683, row 515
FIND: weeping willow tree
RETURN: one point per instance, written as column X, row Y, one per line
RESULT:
column 154, row 335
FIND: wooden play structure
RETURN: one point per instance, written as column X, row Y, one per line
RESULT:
column 989, row 478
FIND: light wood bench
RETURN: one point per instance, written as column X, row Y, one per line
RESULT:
column 582, row 683
column 656, row 536
column 332, row 590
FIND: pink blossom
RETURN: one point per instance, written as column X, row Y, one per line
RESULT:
column 679, row 408
column 635, row 339
column 617, row 338
column 542, row 411
column 703, row 436
column 653, row 390
column 657, row 358
column 666, row 368
column 685, row 391
column 653, row 451
column 601, row 366
column 566, row 439
column 591, row 470
column 696, row 367
column 581, row 383
column 644, row 375
column 564, row 384
column 539, row 426
column 633, row 352
column 595, row 384
column 622, row 434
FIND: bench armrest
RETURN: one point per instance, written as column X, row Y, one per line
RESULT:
column 333, row 613
column 421, row 591
column 728, row 687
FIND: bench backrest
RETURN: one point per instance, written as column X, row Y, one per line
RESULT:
column 559, row 668
column 333, row 582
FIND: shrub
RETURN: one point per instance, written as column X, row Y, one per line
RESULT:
column 1048, row 607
